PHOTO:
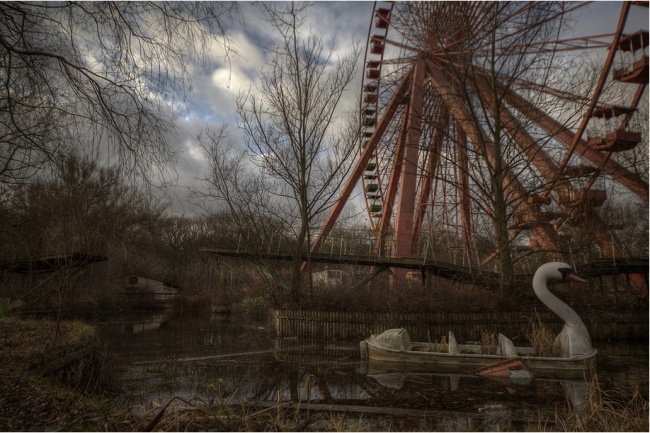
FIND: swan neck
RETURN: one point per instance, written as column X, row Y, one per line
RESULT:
column 554, row 303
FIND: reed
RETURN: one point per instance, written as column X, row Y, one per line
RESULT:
column 341, row 423
column 437, row 346
column 542, row 338
column 197, row 414
column 488, row 343
column 441, row 346
column 603, row 411
column 608, row 411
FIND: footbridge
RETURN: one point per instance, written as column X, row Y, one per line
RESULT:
column 443, row 269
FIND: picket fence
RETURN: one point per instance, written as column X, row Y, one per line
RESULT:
column 332, row 325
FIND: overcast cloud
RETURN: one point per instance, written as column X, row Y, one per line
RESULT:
column 211, row 102
column 214, row 89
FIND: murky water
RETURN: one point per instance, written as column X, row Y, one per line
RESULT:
column 154, row 358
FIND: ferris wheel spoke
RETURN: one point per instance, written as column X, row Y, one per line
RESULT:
column 624, row 176
column 432, row 164
column 548, row 90
column 512, row 186
column 600, row 85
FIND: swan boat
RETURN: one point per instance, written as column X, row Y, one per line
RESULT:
column 574, row 342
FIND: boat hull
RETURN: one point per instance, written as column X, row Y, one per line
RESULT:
column 376, row 352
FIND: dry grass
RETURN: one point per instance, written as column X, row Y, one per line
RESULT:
column 340, row 422
column 438, row 346
column 196, row 414
column 609, row 411
column 33, row 403
column 489, row 343
column 542, row 338
column 28, row 341
column 601, row 413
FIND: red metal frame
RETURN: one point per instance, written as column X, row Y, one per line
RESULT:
column 415, row 182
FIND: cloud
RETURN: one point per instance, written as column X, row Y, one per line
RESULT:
column 341, row 23
column 212, row 101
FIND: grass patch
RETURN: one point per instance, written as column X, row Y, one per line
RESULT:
column 32, row 402
column 28, row 342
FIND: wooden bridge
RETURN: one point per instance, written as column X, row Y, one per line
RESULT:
column 451, row 271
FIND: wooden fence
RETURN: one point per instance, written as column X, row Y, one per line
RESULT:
column 331, row 325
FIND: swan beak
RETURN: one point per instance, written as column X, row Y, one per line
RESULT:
column 575, row 279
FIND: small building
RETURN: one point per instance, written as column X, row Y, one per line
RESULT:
column 142, row 288
column 329, row 278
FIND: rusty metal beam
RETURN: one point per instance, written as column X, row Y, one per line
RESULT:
column 625, row 177
column 393, row 181
column 403, row 246
column 599, row 86
column 433, row 158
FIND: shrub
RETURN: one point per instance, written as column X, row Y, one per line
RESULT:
column 256, row 309
column 6, row 306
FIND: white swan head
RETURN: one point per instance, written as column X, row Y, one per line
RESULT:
column 556, row 271
column 574, row 340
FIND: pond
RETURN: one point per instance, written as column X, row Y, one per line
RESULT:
column 154, row 358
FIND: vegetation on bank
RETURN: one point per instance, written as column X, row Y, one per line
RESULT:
column 29, row 401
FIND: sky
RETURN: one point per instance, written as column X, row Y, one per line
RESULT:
column 214, row 89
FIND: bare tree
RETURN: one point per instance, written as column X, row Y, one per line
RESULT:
column 80, row 207
column 83, row 75
column 297, row 155
column 504, row 154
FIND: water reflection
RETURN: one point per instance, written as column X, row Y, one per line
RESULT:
column 145, row 322
column 232, row 358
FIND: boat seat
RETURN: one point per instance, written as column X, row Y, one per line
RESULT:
column 453, row 344
column 396, row 339
column 506, row 347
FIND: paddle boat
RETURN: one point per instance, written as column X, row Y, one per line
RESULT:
column 576, row 353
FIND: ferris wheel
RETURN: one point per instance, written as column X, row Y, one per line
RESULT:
column 479, row 113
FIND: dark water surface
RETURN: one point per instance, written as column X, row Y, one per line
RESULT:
column 154, row 358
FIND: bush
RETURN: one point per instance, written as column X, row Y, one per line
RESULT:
column 6, row 305
column 256, row 309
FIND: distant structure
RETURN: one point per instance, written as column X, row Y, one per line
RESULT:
column 329, row 278
column 137, row 288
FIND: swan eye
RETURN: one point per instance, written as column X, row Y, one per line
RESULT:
column 565, row 272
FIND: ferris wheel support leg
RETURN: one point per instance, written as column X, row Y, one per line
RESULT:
column 408, row 185
column 393, row 183
column 433, row 159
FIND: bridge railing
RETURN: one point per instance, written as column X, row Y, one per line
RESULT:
column 448, row 250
